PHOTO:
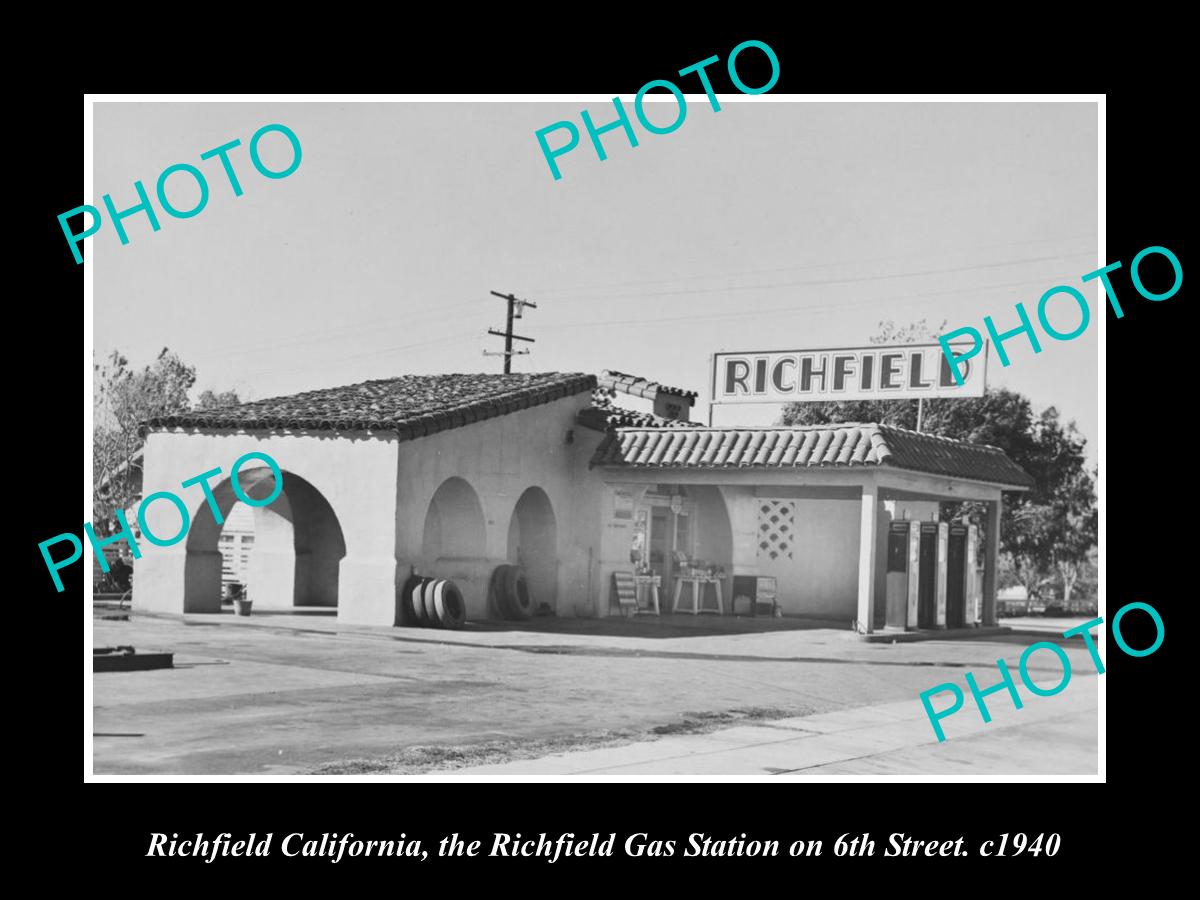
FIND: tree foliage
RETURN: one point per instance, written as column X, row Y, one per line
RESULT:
column 913, row 333
column 125, row 398
column 213, row 400
column 1073, row 543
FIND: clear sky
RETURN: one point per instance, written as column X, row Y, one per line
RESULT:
column 767, row 225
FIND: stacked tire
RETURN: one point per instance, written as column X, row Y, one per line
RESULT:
column 432, row 603
column 510, row 593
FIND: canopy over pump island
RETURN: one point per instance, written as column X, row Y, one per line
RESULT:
column 539, row 493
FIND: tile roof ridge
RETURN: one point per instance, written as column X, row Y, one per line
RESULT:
column 828, row 425
column 943, row 438
column 829, row 446
column 616, row 376
column 424, row 375
column 388, row 403
column 699, row 427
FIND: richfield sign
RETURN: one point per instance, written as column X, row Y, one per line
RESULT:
column 906, row 371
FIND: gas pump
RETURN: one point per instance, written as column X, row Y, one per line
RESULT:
column 903, row 574
column 931, row 576
column 943, row 542
column 974, row 611
column 898, row 575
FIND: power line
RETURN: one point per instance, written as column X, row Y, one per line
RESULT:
column 803, row 267
column 798, row 310
column 791, row 309
column 358, row 356
column 819, row 282
column 327, row 334
column 394, row 349
column 515, row 309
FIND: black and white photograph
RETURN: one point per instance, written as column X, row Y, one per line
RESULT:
column 687, row 435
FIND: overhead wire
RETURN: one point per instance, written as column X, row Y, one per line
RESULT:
column 324, row 335
column 439, row 315
column 794, row 309
column 824, row 282
column 803, row 267
column 320, row 335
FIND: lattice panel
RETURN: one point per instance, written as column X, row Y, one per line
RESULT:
column 776, row 528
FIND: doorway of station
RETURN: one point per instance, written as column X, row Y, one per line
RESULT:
column 667, row 539
column 663, row 541
column 682, row 536
column 673, row 530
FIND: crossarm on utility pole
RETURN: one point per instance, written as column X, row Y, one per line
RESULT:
column 515, row 307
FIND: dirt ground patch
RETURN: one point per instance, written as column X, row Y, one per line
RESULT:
column 422, row 758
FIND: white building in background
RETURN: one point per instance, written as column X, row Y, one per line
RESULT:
column 235, row 544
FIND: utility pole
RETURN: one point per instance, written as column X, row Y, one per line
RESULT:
column 515, row 308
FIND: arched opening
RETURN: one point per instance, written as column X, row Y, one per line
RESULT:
column 713, row 532
column 454, row 524
column 689, row 529
column 297, row 545
column 533, row 543
column 454, row 544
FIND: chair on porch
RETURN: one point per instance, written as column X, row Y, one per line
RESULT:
column 637, row 593
column 756, row 590
column 625, row 590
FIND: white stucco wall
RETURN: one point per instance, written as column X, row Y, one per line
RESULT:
column 500, row 459
column 381, row 489
column 821, row 577
column 614, row 540
column 355, row 474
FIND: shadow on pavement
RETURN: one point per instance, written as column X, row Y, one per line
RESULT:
column 667, row 626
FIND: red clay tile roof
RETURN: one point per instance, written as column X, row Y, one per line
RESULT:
column 606, row 418
column 605, row 414
column 825, row 446
column 639, row 387
column 411, row 405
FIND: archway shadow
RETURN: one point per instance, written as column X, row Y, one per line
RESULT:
column 297, row 554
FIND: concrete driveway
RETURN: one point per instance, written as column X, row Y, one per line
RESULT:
column 301, row 694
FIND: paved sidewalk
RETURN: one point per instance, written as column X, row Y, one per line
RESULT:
column 1049, row 735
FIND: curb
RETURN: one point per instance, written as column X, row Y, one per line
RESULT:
column 941, row 634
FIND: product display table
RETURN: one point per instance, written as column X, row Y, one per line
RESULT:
column 698, row 583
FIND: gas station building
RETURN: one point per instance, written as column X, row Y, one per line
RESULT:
column 453, row 475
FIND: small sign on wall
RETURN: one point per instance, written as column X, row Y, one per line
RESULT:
column 622, row 505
